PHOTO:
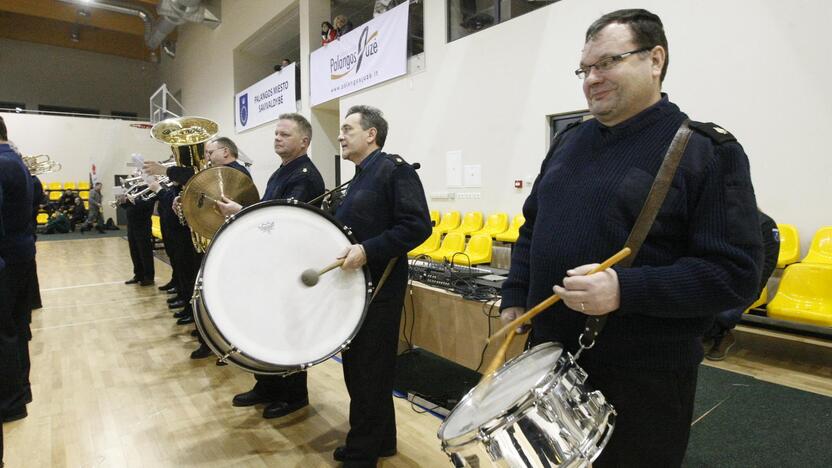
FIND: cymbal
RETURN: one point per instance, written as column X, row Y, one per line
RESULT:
column 209, row 185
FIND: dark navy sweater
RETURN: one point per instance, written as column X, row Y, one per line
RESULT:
column 701, row 256
column 17, row 241
column 299, row 179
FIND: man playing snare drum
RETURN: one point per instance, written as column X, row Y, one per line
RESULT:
column 702, row 255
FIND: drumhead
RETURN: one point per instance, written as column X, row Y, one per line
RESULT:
column 253, row 294
column 490, row 399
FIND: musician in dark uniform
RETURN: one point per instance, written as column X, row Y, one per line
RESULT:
column 140, row 239
column 17, row 260
column 298, row 178
column 386, row 209
column 220, row 151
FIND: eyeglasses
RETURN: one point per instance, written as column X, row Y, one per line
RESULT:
column 607, row 63
column 209, row 153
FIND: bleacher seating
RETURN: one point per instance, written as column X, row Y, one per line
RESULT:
column 452, row 243
column 54, row 186
column 42, row 218
column 84, row 195
column 789, row 245
column 513, row 232
column 155, row 226
column 83, row 185
column 448, row 222
column 432, row 243
column 760, row 300
column 69, row 186
column 804, row 295
column 821, row 249
column 86, row 205
column 496, row 224
column 470, row 223
column 434, row 218
column 477, row 252
column 55, row 195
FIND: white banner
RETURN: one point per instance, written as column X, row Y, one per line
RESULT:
column 265, row 100
column 370, row 54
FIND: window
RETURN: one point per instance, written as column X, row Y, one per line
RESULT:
column 124, row 115
column 70, row 110
column 469, row 16
column 12, row 106
column 559, row 122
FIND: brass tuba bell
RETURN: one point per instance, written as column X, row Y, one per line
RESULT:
column 41, row 164
column 187, row 137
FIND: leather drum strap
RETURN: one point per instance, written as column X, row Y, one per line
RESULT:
column 658, row 192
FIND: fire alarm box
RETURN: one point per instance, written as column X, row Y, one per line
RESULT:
column 518, row 183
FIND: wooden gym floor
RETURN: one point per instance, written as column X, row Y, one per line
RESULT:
column 114, row 387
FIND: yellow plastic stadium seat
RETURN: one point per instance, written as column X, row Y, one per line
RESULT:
column 496, row 224
column 760, row 300
column 804, row 295
column 434, row 217
column 155, row 226
column 470, row 223
column 69, row 185
column 86, row 205
column 432, row 243
column 54, row 186
column 84, row 195
column 449, row 222
column 821, row 248
column 452, row 243
column 513, row 232
column 789, row 245
column 42, row 218
column 478, row 251
column 83, row 185
column 55, row 196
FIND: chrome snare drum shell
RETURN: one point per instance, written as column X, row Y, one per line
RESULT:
column 535, row 411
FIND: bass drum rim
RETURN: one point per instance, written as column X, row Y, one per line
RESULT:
column 227, row 351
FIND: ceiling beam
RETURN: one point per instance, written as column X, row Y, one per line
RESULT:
column 69, row 13
column 58, row 33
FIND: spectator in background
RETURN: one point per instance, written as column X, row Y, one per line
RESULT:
column 343, row 25
column 77, row 215
column 95, row 217
column 328, row 33
column 58, row 223
column 67, row 200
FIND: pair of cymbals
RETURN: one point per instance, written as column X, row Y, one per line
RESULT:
column 205, row 188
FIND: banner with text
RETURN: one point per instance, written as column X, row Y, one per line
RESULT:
column 265, row 100
column 373, row 53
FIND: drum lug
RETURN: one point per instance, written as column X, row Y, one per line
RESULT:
column 231, row 351
column 348, row 230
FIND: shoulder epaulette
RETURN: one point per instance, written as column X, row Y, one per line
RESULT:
column 398, row 160
column 713, row 131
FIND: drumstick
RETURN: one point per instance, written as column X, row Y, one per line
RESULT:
column 310, row 277
column 534, row 311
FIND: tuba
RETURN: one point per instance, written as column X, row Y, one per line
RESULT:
column 187, row 137
column 41, row 164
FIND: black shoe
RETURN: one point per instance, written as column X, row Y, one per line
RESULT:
column 15, row 415
column 173, row 299
column 185, row 320
column 182, row 314
column 194, row 333
column 343, row 454
column 132, row 280
column 168, row 286
column 147, row 282
column 249, row 398
column 173, row 290
column 282, row 408
column 202, row 352
column 721, row 346
column 178, row 304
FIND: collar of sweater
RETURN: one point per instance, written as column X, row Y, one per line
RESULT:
column 645, row 118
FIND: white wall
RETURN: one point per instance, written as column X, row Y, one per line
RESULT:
column 42, row 74
column 755, row 68
column 78, row 142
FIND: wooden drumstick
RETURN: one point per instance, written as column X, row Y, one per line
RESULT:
column 310, row 277
column 534, row 311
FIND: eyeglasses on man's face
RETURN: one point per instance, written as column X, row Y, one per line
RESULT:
column 607, row 63
column 209, row 153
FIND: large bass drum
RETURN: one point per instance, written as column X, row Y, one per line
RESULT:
column 250, row 304
column 535, row 411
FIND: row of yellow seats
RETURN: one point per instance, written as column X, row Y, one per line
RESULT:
column 56, row 195
column 156, row 226
column 496, row 226
column 453, row 248
column 67, row 186
column 820, row 251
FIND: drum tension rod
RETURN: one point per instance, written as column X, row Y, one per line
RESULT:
column 231, row 351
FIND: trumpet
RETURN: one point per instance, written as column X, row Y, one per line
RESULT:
column 136, row 187
column 41, row 164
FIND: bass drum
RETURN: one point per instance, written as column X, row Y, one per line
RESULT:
column 250, row 304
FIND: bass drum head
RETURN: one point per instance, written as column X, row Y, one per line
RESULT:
column 253, row 295
column 490, row 399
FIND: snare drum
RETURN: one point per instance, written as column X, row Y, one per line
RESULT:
column 250, row 304
column 535, row 411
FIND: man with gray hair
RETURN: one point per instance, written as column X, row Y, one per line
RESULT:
column 386, row 209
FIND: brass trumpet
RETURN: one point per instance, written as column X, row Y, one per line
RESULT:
column 41, row 164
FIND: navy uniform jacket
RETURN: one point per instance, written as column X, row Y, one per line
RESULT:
column 386, row 209
column 299, row 179
column 17, row 241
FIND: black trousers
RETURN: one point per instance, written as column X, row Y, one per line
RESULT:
column 15, row 333
column 655, row 409
column 141, row 252
column 278, row 388
column 369, row 371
